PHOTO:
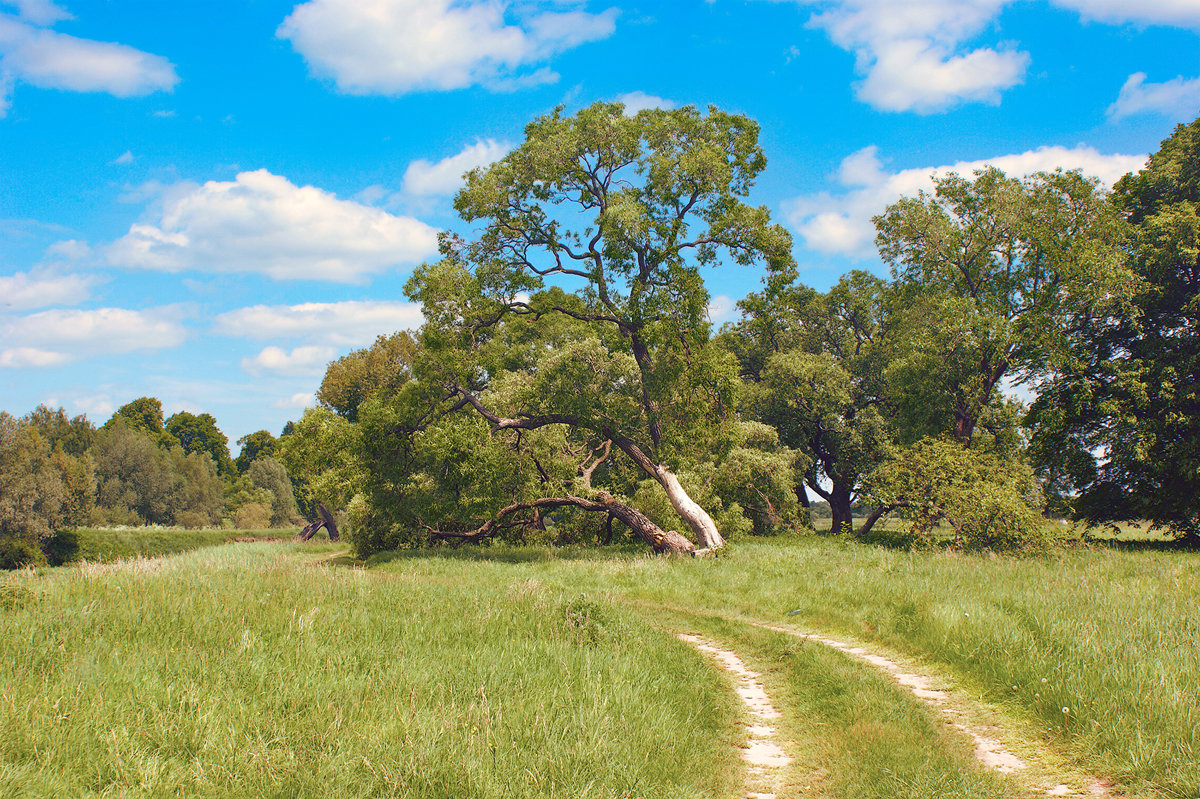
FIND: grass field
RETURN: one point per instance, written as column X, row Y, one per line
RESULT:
column 282, row 670
column 109, row 544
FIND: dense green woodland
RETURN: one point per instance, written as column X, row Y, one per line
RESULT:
column 568, row 387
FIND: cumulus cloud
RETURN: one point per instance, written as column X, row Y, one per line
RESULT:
column 1177, row 97
column 424, row 178
column 308, row 360
column 39, row 12
column 910, row 54
column 354, row 323
column 263, row 223
column 914, row 56
column 53, row 338
column 840, row 222
column 47, row 59
column 49, row 282
column 640, row 101
column 1185, row 13
column 722, row 309
column 39, row 288
column 399, row 46
column 304, row 399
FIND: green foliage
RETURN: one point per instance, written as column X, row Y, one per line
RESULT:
column 42, row 489
column 631, row 208
column 144, row 414
column 254, row 445
column 268, row 474
column 991, row 500
column 320, row 455
column 815, row 366
column 137, row 481
column 1003, row 266
column 352, row 379
column 199, row 434
column 1117, row 428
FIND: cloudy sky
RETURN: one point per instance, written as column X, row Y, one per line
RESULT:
column 206, row 202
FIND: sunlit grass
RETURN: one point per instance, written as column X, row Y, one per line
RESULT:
column 1112, row 636
column 245, row 671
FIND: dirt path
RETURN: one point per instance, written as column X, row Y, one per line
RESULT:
column 984, row 733
column 765, row 758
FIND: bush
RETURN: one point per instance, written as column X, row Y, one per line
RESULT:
column 991, row 500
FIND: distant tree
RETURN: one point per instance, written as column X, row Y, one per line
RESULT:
column 1117, row 426
column 815, row 363
column 138, row 481
column 268, row 474
column 352, row 379
column 255, row 445
column 990, row 271
column 200, row 434
column 42, row 490
column 144, row 414
column 73, row 436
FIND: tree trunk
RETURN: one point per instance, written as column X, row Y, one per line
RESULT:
column 707, row 535
column 839, row 505
column 663, row 541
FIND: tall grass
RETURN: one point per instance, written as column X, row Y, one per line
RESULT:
column 103, row 545
column 247, row 671
column 1111, row 636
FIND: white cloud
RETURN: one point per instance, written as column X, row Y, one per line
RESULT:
column 399, row 46
column 48, row 283
column 640, row 101
column 123, row 159
column 913, row 56
column 52, row 338
column 1184, row 13
column 310, row 360
column 354, row 323
column 841, row 222
column 722, row 309
column 424, row 178
column 39, row 288
column 262, row 223
column 31, row 358
column 51, row 60
column 1177, row 97
column 304, row 399
column 910, row 56
column 98, row 405
column 39, row 12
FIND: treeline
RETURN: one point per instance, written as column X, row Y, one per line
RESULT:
column 528, row 411
column 58, row 473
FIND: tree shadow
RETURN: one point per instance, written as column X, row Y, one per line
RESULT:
column 514, row 554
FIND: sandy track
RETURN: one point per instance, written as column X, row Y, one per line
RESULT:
column 764, row 756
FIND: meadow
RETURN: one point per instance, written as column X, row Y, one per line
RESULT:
column 268, row 669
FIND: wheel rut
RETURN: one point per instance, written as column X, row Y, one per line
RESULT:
column 989, row 750
column 765, row 758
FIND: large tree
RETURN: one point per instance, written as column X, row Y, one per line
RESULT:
column 1117, row 427
column 626, row 211
column 990, row 271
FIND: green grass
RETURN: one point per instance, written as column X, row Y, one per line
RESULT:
column 1113, row 636
column 103, row 545
column 255, row 671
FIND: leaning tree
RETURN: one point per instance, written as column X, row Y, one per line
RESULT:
column 589, row 242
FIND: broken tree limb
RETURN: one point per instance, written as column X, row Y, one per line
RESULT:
column 662, row 541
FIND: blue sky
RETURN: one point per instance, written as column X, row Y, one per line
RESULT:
column 206, row 202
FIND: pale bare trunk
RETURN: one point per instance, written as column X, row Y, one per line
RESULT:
column 707, row 535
